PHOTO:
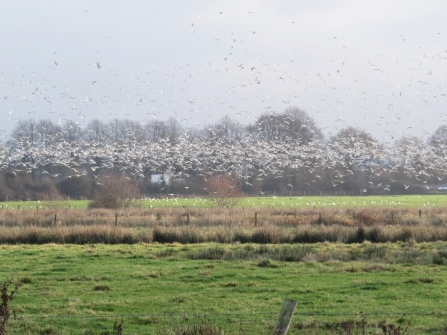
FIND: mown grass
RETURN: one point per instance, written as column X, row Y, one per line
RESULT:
column 320, row 202
column 90, row 284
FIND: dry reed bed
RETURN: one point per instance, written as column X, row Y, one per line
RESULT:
column 167, row 225
column 216, row 217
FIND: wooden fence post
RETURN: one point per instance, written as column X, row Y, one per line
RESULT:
column 116, row 219
column 256, row 218
column 284, row 318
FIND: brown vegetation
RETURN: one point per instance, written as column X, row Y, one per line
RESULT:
column 223, row 190
column 169, row 225
column 20, row 185
column 6, row 298
column 115, row 192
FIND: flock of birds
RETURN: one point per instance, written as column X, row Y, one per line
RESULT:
column 250, row 85
column 248, row 155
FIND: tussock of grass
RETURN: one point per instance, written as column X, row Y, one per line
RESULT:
column 377, row 256
column 101, row 288
column 26, row 280
column 107, row 234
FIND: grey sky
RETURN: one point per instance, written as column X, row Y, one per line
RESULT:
column 380, row 65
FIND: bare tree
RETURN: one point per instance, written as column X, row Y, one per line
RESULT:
column 223, row 190
column 23, row 143
column 72, row 132
column 294, row 124
column 24, row 132
column 115, row 192
column 135, row 131
column 48, row 133
column 174, row 130
column 225, row 129
column 96, row 131
column 438, row 143
column 439, row 137
column 412, row 155
column 156, row 131
column 355, row 147
column 116, row 130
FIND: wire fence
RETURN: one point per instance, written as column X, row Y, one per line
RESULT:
column 371, row 323
column 164, row 323
column 231, row 323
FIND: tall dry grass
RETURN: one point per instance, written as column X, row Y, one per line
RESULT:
column 167, row 225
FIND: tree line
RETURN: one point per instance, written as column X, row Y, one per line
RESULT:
column 278, row 154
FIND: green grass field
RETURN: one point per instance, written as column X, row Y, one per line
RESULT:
column 158, row 288
column 86, row 285
column 416, row 201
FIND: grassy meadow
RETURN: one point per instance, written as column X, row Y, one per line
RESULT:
column 172, row 266
column 78, row 289
column 321, row 202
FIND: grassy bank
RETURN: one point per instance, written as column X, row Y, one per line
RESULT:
column 79, row 289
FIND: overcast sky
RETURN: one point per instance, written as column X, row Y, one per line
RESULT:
column 379, row 65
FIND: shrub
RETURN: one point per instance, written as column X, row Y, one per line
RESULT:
column 214, row 253
column 115, row 192
column 374, row 235
column 21, row 186
column 438, row 260
column 224, row 191
column 358, row 236
column 293, row 254
column 6, row 298
column 265, row 236
column 105, row 201
column 101, row 288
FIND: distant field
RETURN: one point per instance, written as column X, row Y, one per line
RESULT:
column 89, row 284
column 415, row 201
